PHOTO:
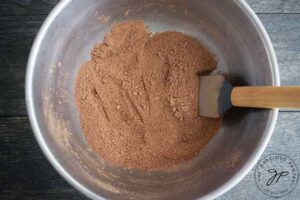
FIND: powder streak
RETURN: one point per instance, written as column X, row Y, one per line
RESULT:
column 147, row 86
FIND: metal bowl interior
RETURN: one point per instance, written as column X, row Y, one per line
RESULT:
column 228, row 28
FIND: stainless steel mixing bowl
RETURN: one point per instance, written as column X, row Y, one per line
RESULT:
column 228, row 28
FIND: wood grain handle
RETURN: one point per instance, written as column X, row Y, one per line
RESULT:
column 266, row 97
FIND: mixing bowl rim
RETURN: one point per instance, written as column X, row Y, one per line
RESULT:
column 76, row 184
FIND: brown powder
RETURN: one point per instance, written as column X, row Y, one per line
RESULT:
column 138, row 97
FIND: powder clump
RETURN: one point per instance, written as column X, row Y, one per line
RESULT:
column 138, row 97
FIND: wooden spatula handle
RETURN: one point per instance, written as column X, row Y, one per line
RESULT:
column 266, row 97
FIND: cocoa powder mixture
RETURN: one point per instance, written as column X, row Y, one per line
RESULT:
column 138, row 97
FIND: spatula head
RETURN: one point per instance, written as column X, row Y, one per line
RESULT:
column 214, row 96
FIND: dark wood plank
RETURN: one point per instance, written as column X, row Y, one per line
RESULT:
column 275, row 6
column 284, row 32
column 16, row 37
column 25, row 7
column 25, row 173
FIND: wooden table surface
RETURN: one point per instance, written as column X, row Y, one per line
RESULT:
column 24, row 171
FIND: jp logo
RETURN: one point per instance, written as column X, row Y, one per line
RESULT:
column 276, row 175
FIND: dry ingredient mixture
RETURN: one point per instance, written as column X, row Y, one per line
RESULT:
column 138, row 97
